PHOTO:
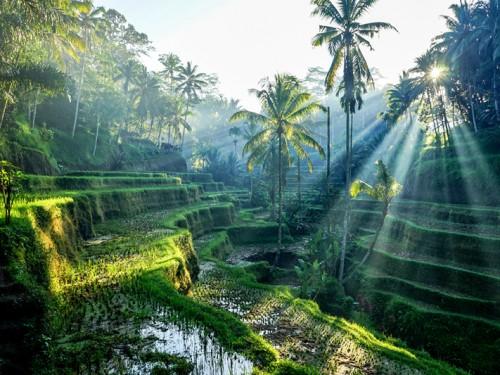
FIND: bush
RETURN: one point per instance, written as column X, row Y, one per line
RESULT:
column 259, row 196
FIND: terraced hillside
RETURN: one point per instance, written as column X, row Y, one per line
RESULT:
column 434, row 274
column 105, row 265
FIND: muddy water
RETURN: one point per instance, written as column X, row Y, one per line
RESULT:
column 167, row 334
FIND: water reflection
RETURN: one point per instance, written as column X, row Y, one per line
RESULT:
column 170, row 335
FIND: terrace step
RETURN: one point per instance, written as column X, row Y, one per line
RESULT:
column 461, row 281
column 51, row 184
column 481, row 262
column 430, row 308
column 442, row 298
column 454, row 213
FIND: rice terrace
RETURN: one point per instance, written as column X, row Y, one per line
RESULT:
column 234, row 187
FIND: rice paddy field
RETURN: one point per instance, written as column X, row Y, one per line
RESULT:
column 132, row 278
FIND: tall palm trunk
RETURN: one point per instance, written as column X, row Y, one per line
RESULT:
column 80, row 86
column 9, row 92
column 472, row 108
column 431, row 109
column 127, row 113
column 328, row 172
column 184, row 127
column 6, row 103
column 349, row 79
column 273, row 185
column 280, row 198
column 347, row 198
column 496, row 31
column 35, row 106
column 98, row 126
column 496, row 94
column 299, row 181
column 151, row 123
column 370, row 250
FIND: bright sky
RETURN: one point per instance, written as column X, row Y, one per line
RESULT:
column 243, row 41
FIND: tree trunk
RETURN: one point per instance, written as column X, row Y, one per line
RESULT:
column 251, row 188
column 35, row 108
column 349, row 95
column 151, row 123
column 472, row 108
column 299, row 181
column 97, row 134
column 328, row 170
column 347, row 198
column 160, row 129
column 350, row 139
column 280, row 200
column 328, row 150
column 496, row 94
column 78, row 97
column 273, row 186
column 5, row 104
column 431, row 109
column 495, row 64
column 9, row 92
column 370, row 250
column 184, row 127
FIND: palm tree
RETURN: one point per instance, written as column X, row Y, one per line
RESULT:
column 400, row 98
column 177, row 119
column 284, row 105
column 172, row 65
column 461, row 44
column 385, row 190
column 429, row 83
column 235, row 132
column 90, row 22
column 488, row 28
column 28, row 21
column 127, row 74
column 145, row 94
column 191, row 84
column 344, row 39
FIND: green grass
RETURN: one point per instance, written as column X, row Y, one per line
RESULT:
column 115, row 174
column 43, row 184
column 373, row 342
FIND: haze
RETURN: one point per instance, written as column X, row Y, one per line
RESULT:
column 243, row 41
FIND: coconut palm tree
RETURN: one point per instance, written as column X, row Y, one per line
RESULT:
column 145, row 95
column 400, row 98
column 460, row 44
column 171, row 67
column 284, row 105
column 344, row 37
column 191, row 84
column 90, row 23
column 24, row 22
column 385, row 190
column 177, row 119
column 127, row 75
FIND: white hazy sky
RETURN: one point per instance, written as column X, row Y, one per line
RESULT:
column 243, row 41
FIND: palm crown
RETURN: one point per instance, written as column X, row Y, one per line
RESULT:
column 345, row 37
column 284, row 106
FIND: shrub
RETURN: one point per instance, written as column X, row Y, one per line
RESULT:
column 10, row 186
